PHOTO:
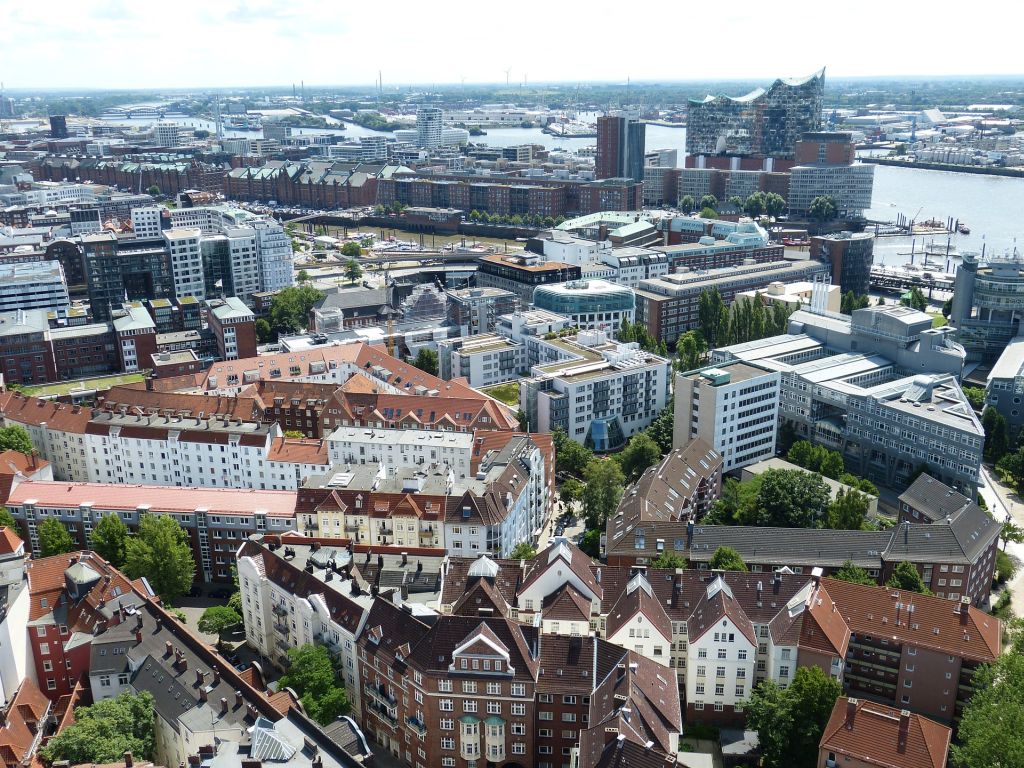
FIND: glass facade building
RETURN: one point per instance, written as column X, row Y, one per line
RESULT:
column 592, row 304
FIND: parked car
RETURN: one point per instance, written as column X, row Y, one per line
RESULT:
column 220, row 594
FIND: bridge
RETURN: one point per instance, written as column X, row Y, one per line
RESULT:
column 893, row 280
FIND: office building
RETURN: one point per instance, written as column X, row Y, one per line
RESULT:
column 850, row 254
column 483, row 359
column 988, row 302
column 620, row 148
column 476, row 310
column 795, row 296
column 850, row 186
column 428, row 127
column 58, row 127
column 598, row 391
column 38, row 285
column 117, row 270
column 863, row 734
column 590, row 304
column 167, row 134
column 1004, row 386
column 668, row 305
column 522, row 274
column 234, row 326
column 763, row 123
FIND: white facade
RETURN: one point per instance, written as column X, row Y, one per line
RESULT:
column 167, row 134
column 735, row 409
column 146, row 222
column 275, row 256
column 33, row 285
column 245, row 273
column 484, row 359
column 428, row 127
column 186, row 262
column 402, row 448
column 56, row 192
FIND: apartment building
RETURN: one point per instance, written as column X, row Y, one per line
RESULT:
column 600, row 392
column 406, row 448
column 521, row 274
column 482, row 360
column 186, row 262
column 216, row 519
column 589, row 304
column 35, row 285
column 863, row 734
column 476, row 310
column 682, row 486
column 733, row 408
column 668, row 305
column 954, row 557
column 731, row 630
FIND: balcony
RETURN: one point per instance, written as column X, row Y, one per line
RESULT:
column 281, row 628
column 280, row 609
column 284, row 645
column 417, row 727
column 383, row 714
column 379, row 692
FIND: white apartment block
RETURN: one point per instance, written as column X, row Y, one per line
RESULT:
column 402, row 448
column 600, row 392
column 186, row 262
column 245, row 273
column 483, row 360
column 146, row 221
column 57, row 192
column 33, row 285
column 734, row 408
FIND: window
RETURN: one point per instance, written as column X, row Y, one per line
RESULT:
column 783, row 671
column 447, row 723
column 445, row 686
column 494, row 689
column 494, row 707
column 741, row 655
column 44, row 649
column 445, row 705
column 518, row 689
column 719, row 671
column 518, row 709
column 447, row 743
column 468, row 705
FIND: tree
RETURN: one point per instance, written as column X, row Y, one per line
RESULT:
column 108, row 539
column 103, row 732
column 736, row 202
column 691, row 348
column 314, row 679
column 790, row 498
column 989, row 732
column 590, row 544
column 153, row 190
column 571, row 491
column 54, row 538
column 218, row 619
column 604, row 484
column 353, row 271
column 712, row 318
column 686, row 203
column 997, row 441
column 906, row 577
column 709, row 201
column 914, row 299
column 426, row 361
column 851, row 301
column 302, row 277
column 264, row 333
column 823, row 208
column 661, row 428
column 832, row 465
column 789, row 723
column 290, row 308
column 7, row 519
column 848, row 512
column 975, row 396
column 572, row 457
column 947, row 308
column 15, row 438
column 669, row 560
column 727, row 559
column 774, row 204
column 523, row 551
column 351, row 250
column 708, row 213
column 160, row 551
column 640, row 453
column 854, row 574
column 753, row 206
column 1011, row 532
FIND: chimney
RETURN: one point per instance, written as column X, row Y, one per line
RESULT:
column 316, row 546
column 238, row 698
column 816, row 575
column 776, row 583
column 901, row 743
column 138, row 637
column 194, row 760
column 851, row 713
column 203, row 695
column 405, row 558
column 965, row 605
column 689, row 534
column 380, row 561
column 168, row 648
column 216, row 677
column 183, row 663
column 223, row 706
column 200, row 677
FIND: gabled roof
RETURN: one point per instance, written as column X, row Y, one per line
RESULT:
column 24, row 719
column 638, row 598
column 15, row 463
column 871, row 734
column 717, row 603
column 566, row 604
column 933, row 497
column 561, row 553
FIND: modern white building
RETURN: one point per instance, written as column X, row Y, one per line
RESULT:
column 733, row 408
column 428, row 127
column 402, row 448
column 590, row 304
column 186, row 262
column 600, row 392
column 483, row 360
column 167, row 134
column 33, row 285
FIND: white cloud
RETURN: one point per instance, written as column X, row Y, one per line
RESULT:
column 196, row 43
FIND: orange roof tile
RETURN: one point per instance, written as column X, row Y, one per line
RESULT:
column 871, row 734
column 10, row 542
column 298, row 451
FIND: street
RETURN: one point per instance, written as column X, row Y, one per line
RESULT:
column 1003, row 504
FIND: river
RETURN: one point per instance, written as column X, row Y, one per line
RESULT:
column 989, row 205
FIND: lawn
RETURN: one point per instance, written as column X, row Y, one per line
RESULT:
column 99, row 383
column 938, row 320
column 508, row 392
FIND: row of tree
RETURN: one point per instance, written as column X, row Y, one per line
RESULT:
column 516, row 220
column 747, row 320
column 637, row 332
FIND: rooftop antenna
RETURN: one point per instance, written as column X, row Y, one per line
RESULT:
column 508, row 73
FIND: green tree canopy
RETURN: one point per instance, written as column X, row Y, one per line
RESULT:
column 790, row 498
column 7, row 520
column 851, row 301
column 218, row 619
column 315, row 681
column 264, row 333
column 997, row 439
column 604, row 483
column 160, row 551
column 352, row 269
column 108, row 539
column 848, row 512
column 993, row 721
column 426, row 360
column 15, row 438
column 661, row 428
column 153, row 189
column 754, row 205
column 817, row 458
column 523, row 551
column 590, row 544
column 687, row 203
column 789, row 723
column 691, row 348
column 975, row 396
column 709, row 201
column 823, row 208
column 103, row 732
column 352, row 250
column 570, row 456
column 854, row 574
column 54, row 538
column 774, row 204
column 669, row 559
column 712, row 318
column 571, row 490
column 290, row 308
column 727, row 559
column 906, row 577
column 640, row 453
column 915, row 299
column 302, row 277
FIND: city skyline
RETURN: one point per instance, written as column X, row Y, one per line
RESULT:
column 200, row 46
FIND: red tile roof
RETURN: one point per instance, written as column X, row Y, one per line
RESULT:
column 46, row 583
column 13, row 463
column 230, row 501
column 18, row 408
column 298, row 451
column 10, row 542
column 871, row 734
column 24, row 719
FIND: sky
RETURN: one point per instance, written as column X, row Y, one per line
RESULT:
column 110, row 44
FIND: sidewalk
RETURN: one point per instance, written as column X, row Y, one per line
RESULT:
column 1004, row 504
